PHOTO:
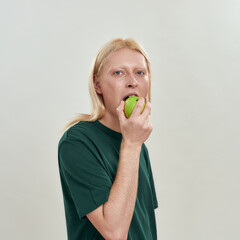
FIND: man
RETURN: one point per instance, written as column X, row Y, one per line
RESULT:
column 104, row 164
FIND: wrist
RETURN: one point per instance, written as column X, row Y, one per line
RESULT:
column 132, row 145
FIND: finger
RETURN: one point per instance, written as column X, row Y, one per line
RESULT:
column 146, row 111
column 120, row 111
column 138, row 108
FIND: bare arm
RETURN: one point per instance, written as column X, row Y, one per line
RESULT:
column 113, row 218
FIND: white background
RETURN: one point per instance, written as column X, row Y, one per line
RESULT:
column 46, row 50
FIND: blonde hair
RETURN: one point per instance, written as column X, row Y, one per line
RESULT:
column 98, row 108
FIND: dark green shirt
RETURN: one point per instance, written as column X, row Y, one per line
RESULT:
column 88, row 154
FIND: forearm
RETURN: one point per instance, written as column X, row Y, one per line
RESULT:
column 119, row 208
column 113, row 218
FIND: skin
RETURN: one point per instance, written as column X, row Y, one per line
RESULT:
column 122, row 73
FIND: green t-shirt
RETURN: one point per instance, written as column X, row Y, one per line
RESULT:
column 88, row 154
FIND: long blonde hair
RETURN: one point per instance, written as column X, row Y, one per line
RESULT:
column 98, row 108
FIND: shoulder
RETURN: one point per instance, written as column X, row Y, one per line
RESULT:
column 80, row 129
column 78, row 133
column 76, row 146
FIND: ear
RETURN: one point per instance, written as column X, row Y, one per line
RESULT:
column 96, row 84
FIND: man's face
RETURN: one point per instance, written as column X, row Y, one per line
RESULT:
column 124, row 73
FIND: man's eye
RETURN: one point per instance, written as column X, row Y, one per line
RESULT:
column 140, row 73
column 117, row 73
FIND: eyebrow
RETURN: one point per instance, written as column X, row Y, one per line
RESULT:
column 126, row 67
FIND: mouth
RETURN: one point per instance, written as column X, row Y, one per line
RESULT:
column 129, row 96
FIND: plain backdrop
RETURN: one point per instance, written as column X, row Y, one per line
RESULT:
column 46, row 50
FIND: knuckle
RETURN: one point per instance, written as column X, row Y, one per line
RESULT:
column 148, row 105
column 118, row 109
column 139, row 105
column 150, row 127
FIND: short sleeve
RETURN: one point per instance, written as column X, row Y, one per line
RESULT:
column 84, row 174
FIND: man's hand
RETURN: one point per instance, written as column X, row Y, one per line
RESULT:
column 137, row 128
column 113, row 218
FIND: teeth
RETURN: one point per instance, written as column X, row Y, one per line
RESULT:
column 128, row 97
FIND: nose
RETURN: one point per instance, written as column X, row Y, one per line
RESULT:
column 131, row 80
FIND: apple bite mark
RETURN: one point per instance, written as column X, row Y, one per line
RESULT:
column 128, row 96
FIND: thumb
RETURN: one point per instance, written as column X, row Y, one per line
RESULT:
column 120, row 111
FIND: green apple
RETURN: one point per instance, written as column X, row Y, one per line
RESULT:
column 129, row 105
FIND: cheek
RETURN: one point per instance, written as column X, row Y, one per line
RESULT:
column 145, row 84
column 110, row 91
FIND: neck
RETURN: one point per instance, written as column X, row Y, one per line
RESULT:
column 111, row 122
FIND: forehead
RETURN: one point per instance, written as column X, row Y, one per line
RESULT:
column 125, row 57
